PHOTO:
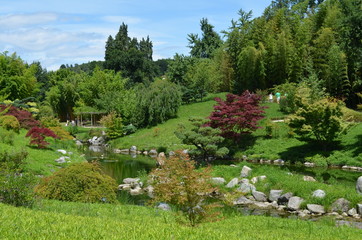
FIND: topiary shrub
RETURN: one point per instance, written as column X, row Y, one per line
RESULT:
column 80, row 182
column 10, row 123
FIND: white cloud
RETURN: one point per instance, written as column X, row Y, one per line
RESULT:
column 120, row 19
column 21, row 20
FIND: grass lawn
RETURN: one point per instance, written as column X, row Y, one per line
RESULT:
column 41, row 161
column 62, row 220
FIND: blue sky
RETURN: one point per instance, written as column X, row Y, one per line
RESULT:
column 71, row 31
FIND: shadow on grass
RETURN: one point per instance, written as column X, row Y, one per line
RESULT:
column 299, row 153
column 356, row 147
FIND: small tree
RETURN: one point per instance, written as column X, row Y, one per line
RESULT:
column 179, row 184
column 206, row 139
column 114, row 125
column 237, row 115
column 37, row 136
column 320, row 121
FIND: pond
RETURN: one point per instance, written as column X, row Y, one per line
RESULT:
column 119, row 166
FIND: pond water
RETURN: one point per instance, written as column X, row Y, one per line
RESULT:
column 119, row 166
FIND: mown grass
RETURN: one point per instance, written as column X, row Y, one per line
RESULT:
column 41, row 161
column 60, row 220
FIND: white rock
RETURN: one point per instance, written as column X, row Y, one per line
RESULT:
column 133, row 149
column 125, row 187
column 319, row 193
column 259, row 196
column 309, row 179
column 218, row 180
column 340, row 205
column 164, row 206
column 359, row 185
column 246, row 188
column 232, row 183
column 294, row 203
column 62, row 151
column 131, row 180
column 136, row 191
column 274, row 195
column 245, row 172
column 242, row 201
column 315, row 208
column 262, row 205
column 359, row 209
column 352, row 212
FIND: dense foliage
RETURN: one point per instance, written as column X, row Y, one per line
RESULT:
column 237, row 115
column 157, row 103
column 37, row 136
column 16, row 186
column 178, row 183
column 81, row 182
column 24, row 117
column 207, row 140
column 321, row 121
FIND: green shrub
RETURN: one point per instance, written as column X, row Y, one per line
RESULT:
column 7, row 137
column 10, row 122
column 318, row 160
column 13, row 161
column 61, row 133
column 114, row 126
column 73, row 130
column 49, row 122
column 271, row 129
column 17, row 189
column 80, row 182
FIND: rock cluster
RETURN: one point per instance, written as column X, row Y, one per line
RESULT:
column 279, row 200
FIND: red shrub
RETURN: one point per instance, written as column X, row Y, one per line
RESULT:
column 37, row 136
column 24, row 117
column 237, row 115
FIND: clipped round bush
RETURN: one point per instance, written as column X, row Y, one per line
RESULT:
column 10, row 122
column 79, row 182
column 61, row 133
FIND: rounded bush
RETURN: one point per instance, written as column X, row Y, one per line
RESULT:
column 10, row 122
column 80, row 182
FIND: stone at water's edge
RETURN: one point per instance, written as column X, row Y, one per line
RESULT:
column 246, row 188
column 245, row 172
column 294, row 203
column 352, row 212
column 315, row 208
column 359, row 185
column 359, row 209
column 259, row 196
column 274, row 195
column 340, row 205
column 242, row 201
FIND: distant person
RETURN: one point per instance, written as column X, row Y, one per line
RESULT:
column 277, row 95
column 271, row 97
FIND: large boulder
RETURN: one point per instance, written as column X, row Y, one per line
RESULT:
column 132, row 181
column 96, row 141
column 274, row 195
column 233, row 182
column 294, row 203
column 359, row 185
column 340, row 205
column 359, row 209
column 259, row 196
column 319, row 193
column 315, row 208
column 246, row 187
column 245, row 172
column 242, row 201
column 136, row 191
column 133, row 149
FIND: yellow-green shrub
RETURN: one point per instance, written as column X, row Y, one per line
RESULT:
column 10, row 122
column 80, row 182
column 60, row 132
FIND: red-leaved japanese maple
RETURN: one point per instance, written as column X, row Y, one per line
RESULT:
column 24, row 117
column 237, row 115
column 37, row 136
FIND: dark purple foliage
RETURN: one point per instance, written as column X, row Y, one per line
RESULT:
column 24, row 117
column 37, row 136
column 237, row 115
